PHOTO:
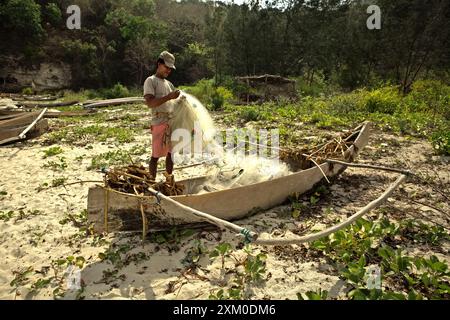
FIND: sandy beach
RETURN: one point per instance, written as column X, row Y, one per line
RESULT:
column 43, row 231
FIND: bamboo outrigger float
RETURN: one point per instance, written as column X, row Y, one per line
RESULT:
column 111, row 210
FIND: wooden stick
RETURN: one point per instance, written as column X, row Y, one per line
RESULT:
column 132, row 176
column 105, row 210
column 39, row 117
column 207, row 217
column 186, row 166
column 318, row 166
column 314, row 236
column 4, row 141
column 144, row 218
column 369, row 166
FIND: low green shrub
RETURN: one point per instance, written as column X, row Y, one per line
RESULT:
column 384, row 100
column 118, row 91
column 441, row 142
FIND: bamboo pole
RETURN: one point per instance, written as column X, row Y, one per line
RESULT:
column 370, row 166
column 39, row 117
column 207, row 217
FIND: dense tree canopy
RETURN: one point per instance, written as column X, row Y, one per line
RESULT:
column 120, row 39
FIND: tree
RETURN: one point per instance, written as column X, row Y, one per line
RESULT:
column 20, row 22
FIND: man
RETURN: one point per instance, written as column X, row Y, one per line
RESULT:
column 157, row 92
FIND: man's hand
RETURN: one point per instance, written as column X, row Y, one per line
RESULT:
column 173, row 95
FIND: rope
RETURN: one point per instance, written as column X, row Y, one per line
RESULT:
column 158, row 199
column 247, row 235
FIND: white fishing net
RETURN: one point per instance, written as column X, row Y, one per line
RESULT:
column 235, row 170
column 194, row 140
column 192, row 126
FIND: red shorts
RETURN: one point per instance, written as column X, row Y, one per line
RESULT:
column 160, row 141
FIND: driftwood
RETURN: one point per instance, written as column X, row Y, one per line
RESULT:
column 11, row 135
column 10, row 114
column 370, row 166
column 113, row 102
column 23, row 119
column 48, row 105
column 21, row 97
column 266, row 78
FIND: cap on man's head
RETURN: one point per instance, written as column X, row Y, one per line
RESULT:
column 169, row 59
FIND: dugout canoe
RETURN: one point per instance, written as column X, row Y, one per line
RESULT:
column 22, row 126
column 111, row 210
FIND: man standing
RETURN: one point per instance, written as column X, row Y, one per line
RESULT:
column 157, row 92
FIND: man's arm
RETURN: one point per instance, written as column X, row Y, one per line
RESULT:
column 153, row 102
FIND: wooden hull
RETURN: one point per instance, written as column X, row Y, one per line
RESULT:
column 11, row 128
column 124, row 210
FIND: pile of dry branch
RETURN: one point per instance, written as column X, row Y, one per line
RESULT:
column 137, row 180
column 334, row 149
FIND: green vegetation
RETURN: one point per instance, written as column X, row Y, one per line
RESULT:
column 59, row 165
column 118, row 91
column 117, row 43
column 247, row 272
column 421, row 113
column 27, row 91
column 212, row 96
column 223, row 250
column 53, row 151
column 119, row 256
column 117, row 157
column 6, row 216
column 171, row 239
column 364, row 244
column 83, row 135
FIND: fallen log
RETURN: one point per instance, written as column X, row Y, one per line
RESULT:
column 21, row 97
column 10, row 114
column 47, row 105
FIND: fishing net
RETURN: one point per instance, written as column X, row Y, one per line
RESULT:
column 237, row 170
column 192, row 127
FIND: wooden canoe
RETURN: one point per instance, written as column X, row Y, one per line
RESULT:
column 11, row 128
column 110, row 210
